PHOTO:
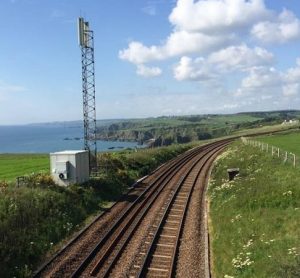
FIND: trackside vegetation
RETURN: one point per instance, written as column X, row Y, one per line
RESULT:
column 254, row 219
column 36, row 217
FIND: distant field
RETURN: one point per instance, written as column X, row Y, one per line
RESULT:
column 221, row 120
column 14, row 165
column 289, row 142
column 267, row 128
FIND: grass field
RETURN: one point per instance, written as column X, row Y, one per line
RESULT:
column 14, row 165
column 288, row 142
column 267, row 128
column 254, row 228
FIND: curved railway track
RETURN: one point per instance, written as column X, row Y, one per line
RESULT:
column 161, row 199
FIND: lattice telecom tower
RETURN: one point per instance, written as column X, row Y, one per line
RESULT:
column 86, row 42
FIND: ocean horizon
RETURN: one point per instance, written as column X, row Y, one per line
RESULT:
column 47, row 138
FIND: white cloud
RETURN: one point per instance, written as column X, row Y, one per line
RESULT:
column 178, row 43
column 241, row 57
column 266, row 80
column 188, row 69
column 201, row 27
column 285, row 28
column 145, row 71
column 291, row 89
column 293, row 74
column 233, row 58
column 217, row 15
column 214, row 40
column 291, row 81
column 262, row 77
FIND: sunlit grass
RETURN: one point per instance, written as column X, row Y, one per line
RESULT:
column 14, row 165
column 255, row 218
column 288, row 142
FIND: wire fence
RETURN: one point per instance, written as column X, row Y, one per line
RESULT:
column 285, row 156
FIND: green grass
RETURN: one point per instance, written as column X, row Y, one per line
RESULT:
column 223, row 120
column 288, row 142
column 266, row 128
column 14, row 165
column 254, row 220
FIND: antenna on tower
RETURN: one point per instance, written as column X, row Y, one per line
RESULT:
column 86, row 42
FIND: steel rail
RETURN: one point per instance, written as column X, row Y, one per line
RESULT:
column 172, row 273
column 133, row 229
column 151, row 189
column 152, row 245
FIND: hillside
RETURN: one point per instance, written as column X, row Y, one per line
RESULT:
column 183, row 129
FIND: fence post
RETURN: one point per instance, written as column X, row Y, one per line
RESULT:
column 285, row 159
column 278, row 152
column 267, row 147
column 294, row 162
column 272, row 150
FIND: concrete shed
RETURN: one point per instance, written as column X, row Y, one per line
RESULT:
column 69, row 167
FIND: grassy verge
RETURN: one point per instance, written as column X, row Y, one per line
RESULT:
column 254, row 220
column 33, row 219
column 14, row 165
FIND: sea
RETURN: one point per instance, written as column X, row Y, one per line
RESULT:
column 47, row 138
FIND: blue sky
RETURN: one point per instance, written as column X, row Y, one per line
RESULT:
column 156, row 57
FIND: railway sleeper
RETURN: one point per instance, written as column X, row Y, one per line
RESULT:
column 168, row 251
column 167, row 239
column 159, row 261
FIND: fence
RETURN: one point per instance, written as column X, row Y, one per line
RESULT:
column 21, row 181
column 287, row 157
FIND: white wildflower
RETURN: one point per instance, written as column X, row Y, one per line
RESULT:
column 248, row 244
column 241, row 261
column 287, row 193
column 293, row 251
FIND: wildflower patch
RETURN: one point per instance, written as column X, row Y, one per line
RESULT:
column 254, row 229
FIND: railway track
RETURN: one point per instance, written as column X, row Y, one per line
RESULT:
column 157, row 255
column 158, row 260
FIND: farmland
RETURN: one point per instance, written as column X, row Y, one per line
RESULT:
column 287, row 141
column 14, row 165
column 184, row 129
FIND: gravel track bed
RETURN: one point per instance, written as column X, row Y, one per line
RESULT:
column 125, row 262
column 126, row 265
column 191, row 255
